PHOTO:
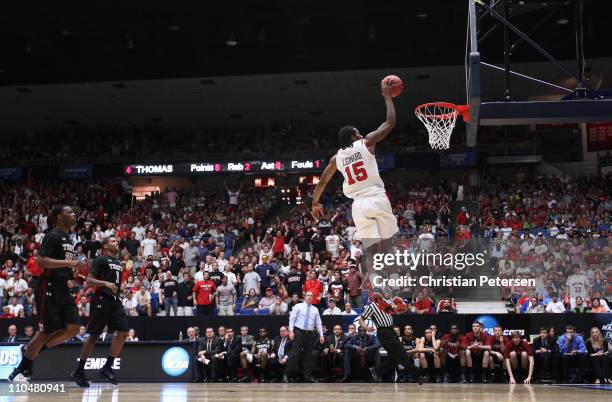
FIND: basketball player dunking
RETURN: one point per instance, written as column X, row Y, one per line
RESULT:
column 356, row 161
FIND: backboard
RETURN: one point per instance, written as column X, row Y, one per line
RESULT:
column 581, row 104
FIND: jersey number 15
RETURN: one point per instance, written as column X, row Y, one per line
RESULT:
column 358, row 170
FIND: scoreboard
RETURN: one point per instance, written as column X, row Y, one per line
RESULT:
column 224, row 166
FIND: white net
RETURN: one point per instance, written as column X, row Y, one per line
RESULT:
column 439, row 119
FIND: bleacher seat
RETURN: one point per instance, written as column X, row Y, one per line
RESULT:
column 246, row 311
column 263, row 311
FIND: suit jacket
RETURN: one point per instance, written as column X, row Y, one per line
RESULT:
column 216, row 346
column 107, row 338
column 233, row 348
column 277, row 342
column 8, row 339
column 330, row 340
column 552, row 345
column 370, row 342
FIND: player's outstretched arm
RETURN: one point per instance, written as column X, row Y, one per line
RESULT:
column 384, row 129
column 328, row 173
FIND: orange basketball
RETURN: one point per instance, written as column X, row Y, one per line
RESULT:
column 396, row 84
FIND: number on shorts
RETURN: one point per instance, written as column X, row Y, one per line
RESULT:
column 358, row 170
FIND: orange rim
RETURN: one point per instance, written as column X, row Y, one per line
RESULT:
column 463, row 110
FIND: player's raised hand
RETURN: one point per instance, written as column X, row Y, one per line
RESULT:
column 318, row 211
column 386, row 89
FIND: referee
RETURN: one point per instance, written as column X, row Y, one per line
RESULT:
column 304, row 324
column 396, row 355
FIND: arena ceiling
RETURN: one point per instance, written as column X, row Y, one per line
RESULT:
column 318, row 99
column 102, row 40
column 252, row 63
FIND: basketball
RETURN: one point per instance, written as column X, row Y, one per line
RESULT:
column 396, row 83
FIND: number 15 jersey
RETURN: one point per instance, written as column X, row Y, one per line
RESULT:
column 360, row 170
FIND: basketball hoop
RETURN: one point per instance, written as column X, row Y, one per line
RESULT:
column 439, row 119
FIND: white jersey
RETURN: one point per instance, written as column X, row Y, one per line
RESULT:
column 360, row 170
column 578, row 285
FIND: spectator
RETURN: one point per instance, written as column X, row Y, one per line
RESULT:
column 268, row 300
column 251, row 281
column 573, row 351
column 597, row 349
column 361, row 349
column 130, row 302
column 315, row 286
column 143, row 302
column 596, row 307
column 84, row 307
column 266, row 273
column 12, row 334
column 131, row 336
column 546, row 352
column 28, row 334
column 82, row 335
column 15, row 308
column 251, row 300
column 207, row 361
column 170, row 286
column 348, row 310
column 354, row 285
column 278, row 307
column 280, row 354
column 534, row 306
column 580, row 307
column 332, row 309
column 16, row 286
column 294, row 301
column 294, row 281
column 555, row 306
column 226, row 296
column 423, row 304
column 185, row 296
column 204, row 295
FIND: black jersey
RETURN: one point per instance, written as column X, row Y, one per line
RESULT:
column 263, row 345
column 57, row 245
column 109, row 269
column 409, row 344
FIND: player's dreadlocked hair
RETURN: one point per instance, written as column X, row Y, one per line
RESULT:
column 345, row 135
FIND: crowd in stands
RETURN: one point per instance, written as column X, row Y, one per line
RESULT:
column 208, row 252
column 151, row 142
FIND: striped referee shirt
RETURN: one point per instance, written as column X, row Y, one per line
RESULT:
column 380, row 318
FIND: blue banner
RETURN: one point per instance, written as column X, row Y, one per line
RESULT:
column 11, row 173
column 458, row 159
column 10, row 357
column 385, row 161
column 76, row 171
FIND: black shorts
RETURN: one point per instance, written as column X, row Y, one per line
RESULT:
column 56, row 307
column 106, row 310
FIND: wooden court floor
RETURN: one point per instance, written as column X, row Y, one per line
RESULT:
column 315, row 392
